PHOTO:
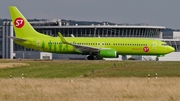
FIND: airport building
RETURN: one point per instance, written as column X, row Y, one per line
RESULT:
column 10, row 50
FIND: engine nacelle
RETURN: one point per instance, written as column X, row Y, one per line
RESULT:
column 107, row 53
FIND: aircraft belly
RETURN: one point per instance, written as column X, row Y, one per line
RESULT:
column 26, row 44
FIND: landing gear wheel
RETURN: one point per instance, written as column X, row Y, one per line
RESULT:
column 90, row 57
column 157, row 58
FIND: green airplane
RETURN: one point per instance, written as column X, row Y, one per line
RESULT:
column 94, row 48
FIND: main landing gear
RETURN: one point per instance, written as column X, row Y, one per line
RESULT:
column 90, row 57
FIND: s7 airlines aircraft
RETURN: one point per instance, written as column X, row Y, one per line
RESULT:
column 94, row 47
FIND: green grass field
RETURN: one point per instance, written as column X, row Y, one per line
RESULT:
column 89, row 80
column 83, row 68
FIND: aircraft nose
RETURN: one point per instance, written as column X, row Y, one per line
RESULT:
column 171, row 49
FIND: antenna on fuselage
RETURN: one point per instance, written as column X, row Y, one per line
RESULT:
column 72, row 35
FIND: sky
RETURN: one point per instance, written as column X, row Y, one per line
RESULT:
column 152, row 12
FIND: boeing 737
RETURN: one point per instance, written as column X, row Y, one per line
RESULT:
column 94, row 47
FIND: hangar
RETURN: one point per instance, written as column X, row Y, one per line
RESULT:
column 10, row 50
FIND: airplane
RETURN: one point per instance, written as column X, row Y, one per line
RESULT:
column 94, row 47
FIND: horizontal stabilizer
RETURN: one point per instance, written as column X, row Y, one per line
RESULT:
column 16, row 39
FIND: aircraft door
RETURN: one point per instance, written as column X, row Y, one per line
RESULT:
column 103, row 44
column 38, row 42
column 99, row 45
column 154, row 45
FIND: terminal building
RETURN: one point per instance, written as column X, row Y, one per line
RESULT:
column 10, row 50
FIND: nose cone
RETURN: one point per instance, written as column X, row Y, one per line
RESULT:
column 171, row 49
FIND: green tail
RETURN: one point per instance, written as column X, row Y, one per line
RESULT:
column 22, row 27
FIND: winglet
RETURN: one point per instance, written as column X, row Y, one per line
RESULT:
column 62, row 38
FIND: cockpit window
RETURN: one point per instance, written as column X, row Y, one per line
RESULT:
column 164, row 44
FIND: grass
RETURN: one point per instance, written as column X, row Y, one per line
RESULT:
column 90, row 89
column 90, row 81
column 71, row 69
column 142, row 69
column 54, row 69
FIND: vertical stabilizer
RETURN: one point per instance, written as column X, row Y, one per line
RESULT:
column 21, row 26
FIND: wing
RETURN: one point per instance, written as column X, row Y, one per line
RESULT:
column 16, row 39
column 81, row 48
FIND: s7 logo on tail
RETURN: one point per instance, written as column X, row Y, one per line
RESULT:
column 19, row 22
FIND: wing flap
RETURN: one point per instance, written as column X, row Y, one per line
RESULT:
column 86, row 48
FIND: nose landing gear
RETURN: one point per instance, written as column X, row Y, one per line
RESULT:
column 157, row 58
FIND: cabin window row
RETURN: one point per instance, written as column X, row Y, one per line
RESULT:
column 80, row 43
column 54, row 42
column 117, row 44
column 122, row 44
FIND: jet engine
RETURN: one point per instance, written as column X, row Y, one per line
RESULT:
column 107, row 53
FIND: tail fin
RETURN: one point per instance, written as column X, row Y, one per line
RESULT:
column 21, row 26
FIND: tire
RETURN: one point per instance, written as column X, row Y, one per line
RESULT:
column 90, row 57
